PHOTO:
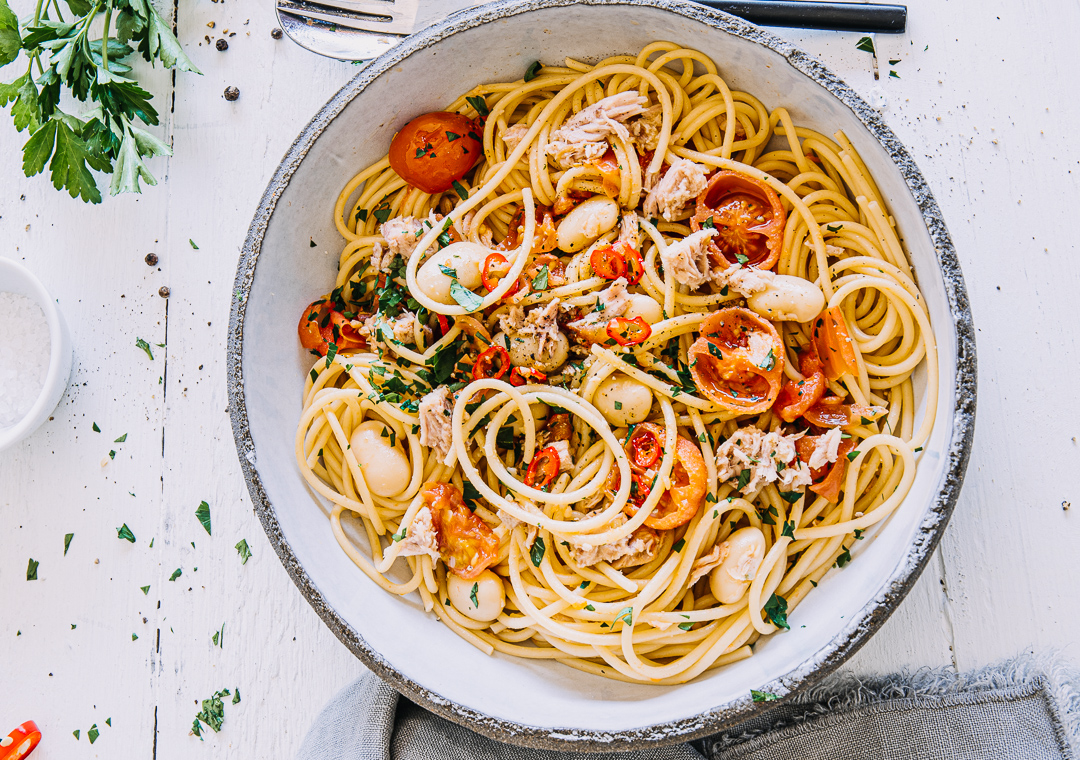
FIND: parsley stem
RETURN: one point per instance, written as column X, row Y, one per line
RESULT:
column 37, row 12
column 105, row 39
column 59, row 15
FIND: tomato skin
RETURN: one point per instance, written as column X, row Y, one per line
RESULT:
column 831, row 411
column 797, row 397
column 545, row 238
column 610, row 174
column 543, row 469
column 485, row 363
column 827, row 481
column 330, row 326
column 629, row 332
column 689, row 478
column 748, row 217
column 834, row 346
column 520, row 376
column 424, row 156
column 617, row 260
column 466, row 543
column 721, row 364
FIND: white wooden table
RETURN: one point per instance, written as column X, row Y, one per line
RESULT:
column 982, row 101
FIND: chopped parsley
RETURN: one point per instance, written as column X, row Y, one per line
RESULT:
column 763, row 696
column 837, row 228
column 451, row 136
column 451, row 273
column 31, row 569
column 460, row 189
column 125, row 533
column 401, row 534
column 472, row 596
column 212, row 713
column 145, row 590
column 121, row 439
column 625, row 615
column 618, row 406
column 844, row 558
column 140, row 343
column 219, row 637
column 465, row 297
column 203, row 513
column 678, row 546
column 866, row 44
column 744, row 476
column 768, row 362
column 685, row 626
column 244, row 551
column 95, row 428
column 540, row 282
column 791, row 496
column 532, row 71
column 536, row 553
column 67, row 541
column 789, row 529
column 776, row 610
column 176, row 574
column 478, row 102
column 852, row 454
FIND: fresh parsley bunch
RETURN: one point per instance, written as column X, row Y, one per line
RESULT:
column 62, row 52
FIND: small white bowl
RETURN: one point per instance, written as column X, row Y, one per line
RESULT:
column 15, row 278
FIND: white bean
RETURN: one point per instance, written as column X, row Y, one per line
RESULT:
column 586, row 222
column 465, row 259
column 788, row 299
column 623, row 400
column 386, row 468
column 524, row 351
column 644, row 306
column 488, row 591
column 745, row 549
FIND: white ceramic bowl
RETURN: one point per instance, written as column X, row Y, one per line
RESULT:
column 15, row 278
column 535, row 702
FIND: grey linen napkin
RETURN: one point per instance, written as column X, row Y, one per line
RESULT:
column 1025, row 709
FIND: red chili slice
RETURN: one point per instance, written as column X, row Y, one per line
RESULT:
column 629, row 332
column 485, row 364
column 645, row 448
column 543, row 469
column 524, row 375
column 495, row 268
column 20, row 742
column 617, row 260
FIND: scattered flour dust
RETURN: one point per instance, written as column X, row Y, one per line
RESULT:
column 24, row 356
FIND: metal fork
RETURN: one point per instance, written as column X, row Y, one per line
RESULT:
column 359, row 30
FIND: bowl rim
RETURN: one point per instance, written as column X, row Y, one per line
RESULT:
column 847, row 641
column 41, row 408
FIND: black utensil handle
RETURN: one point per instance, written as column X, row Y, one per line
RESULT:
column 808, row 14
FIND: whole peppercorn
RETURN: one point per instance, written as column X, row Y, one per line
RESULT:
column 222, row 44
column 163, row 291
column 151, row 259
column 276, row 34
column 231, row 93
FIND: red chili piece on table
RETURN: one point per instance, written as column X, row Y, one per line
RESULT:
column 629, row 332
column 20, row 742
column 485, row 364
column 543, row 469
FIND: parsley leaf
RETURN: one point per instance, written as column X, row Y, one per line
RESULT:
column 685, row 626
column 768, row 362
column 140, row 343
column 145, row 590
column 460, row 189
column 244, row 551
column 203, row 513
column 532, row 71
column 865, row 44
column 625, row 615
column 678, row 546
column 536, row 554
column 791, row 496
column 31, row 569
column 844, row 558
column 472, row 596
column 789, row 529
column 540, row 282
column 465, row 297
column 776, row 610
column 67, row 541
column 763, row 696
column 744, row 478
column 478, row 102
column 176, row 574
column 125, row 533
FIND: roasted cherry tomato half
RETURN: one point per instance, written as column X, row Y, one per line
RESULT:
column 466, row 543
column 738, row 361
column 748, row 217
column 834, row 344
column 628, row 332
column 485, row 366
column 434, row 150
column 644, row 448
column 20, row 742
column 524, row 375
column 617, row 260
column 831, row 411
column 798, row 396
column 495, row 268
column 543, row 469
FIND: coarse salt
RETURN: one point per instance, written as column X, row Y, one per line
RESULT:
column 24, row 356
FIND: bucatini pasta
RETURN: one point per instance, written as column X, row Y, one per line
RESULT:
column 617, row 366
